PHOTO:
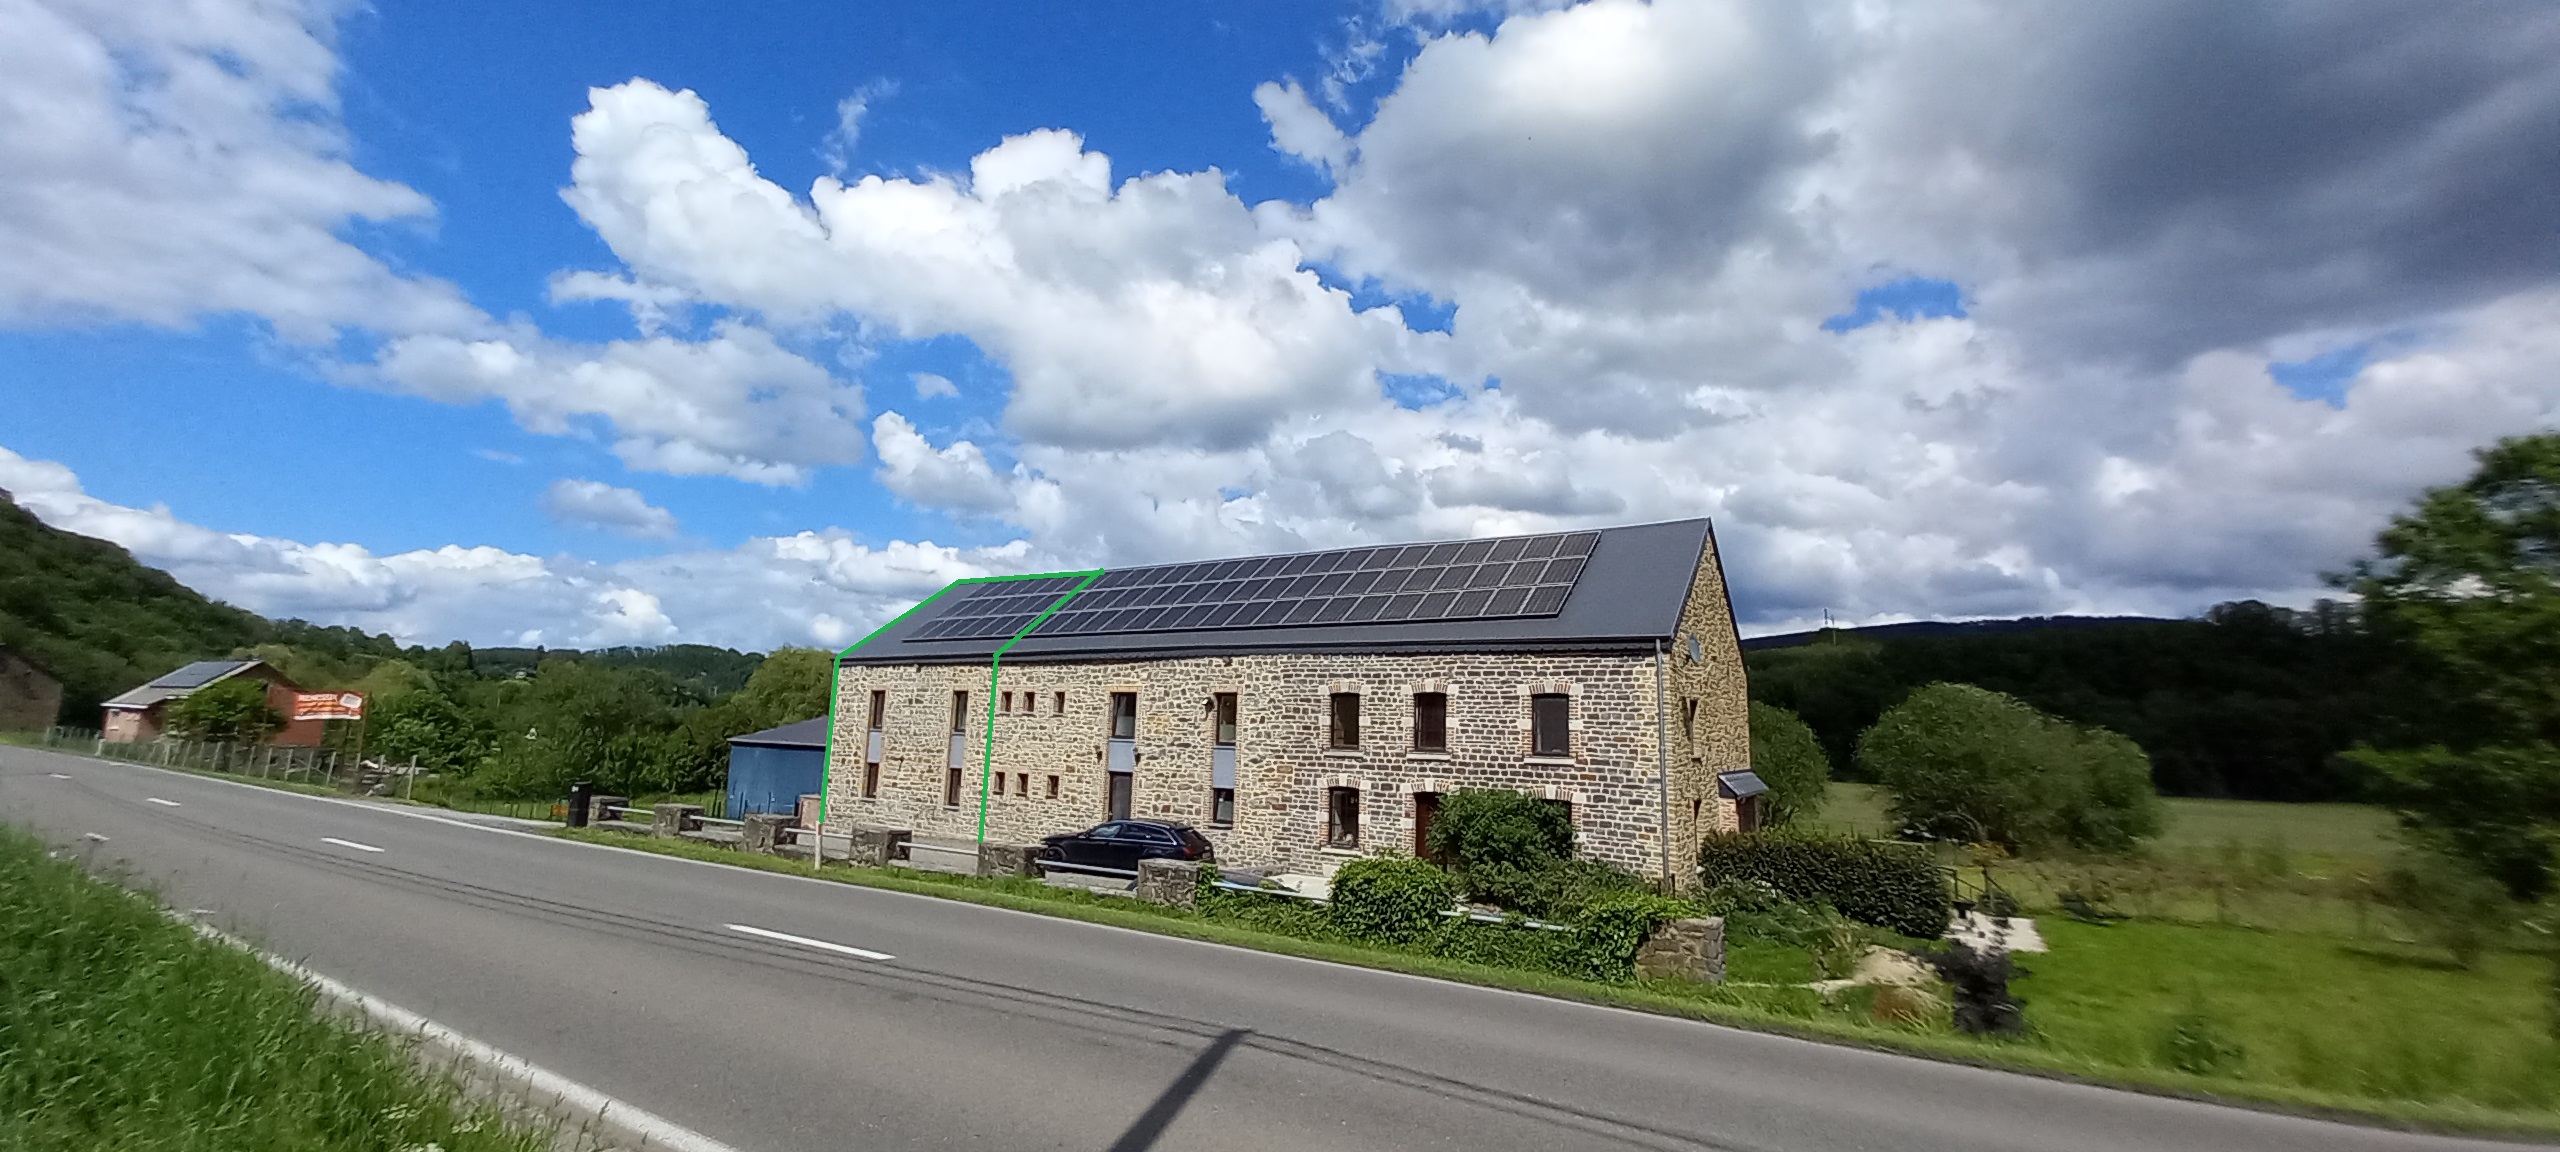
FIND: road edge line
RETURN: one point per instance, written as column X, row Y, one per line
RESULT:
column 614, row 1122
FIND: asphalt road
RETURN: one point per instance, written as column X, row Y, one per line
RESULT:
column 983, row 1028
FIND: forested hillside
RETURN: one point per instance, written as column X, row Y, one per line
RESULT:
column 501, row 721
column 2251, row 701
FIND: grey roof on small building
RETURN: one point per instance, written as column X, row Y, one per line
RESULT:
column 1628, row 595
column 1736, row 785
column 810, row 733
column 181, row 682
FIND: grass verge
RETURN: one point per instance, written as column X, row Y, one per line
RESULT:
column 124, row 1029
column 2324, row 1026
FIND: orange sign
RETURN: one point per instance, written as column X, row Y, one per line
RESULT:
column 328, row 705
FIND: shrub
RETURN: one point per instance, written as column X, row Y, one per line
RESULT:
column 1789, row 759
column 234, row 709
column 1551, row 890
column 1965, row 763
column 1479, row 826
column 1756, row 908
column 2452, row 906
column 1605, row 937
column 1895, row 886
column 1397, row 901
column 1980, row 982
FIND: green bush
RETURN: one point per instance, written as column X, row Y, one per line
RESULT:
column 232, row 710
column 1788, row 758
column 1479, row 826
column 1550, row 890
column 1397, row 901
column 1607, row 934
column 1897, row 886
column 1963, row 763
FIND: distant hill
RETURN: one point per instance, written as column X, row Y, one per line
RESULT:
column 1919, row 628
column 103, row 622
column 99, row 619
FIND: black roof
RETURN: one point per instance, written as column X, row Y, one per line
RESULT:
column 810, row 733
column 1627, row 595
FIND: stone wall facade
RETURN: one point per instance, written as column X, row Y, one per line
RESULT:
column 1050, row 747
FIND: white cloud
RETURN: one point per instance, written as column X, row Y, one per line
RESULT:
column 837, row 149
column 930, row 385
column 737, row 404
column 810, row 587
column 596, row 504
column 164, row 162
column 1299, row 128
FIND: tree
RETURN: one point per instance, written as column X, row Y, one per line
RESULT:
column 1966, row 763
column 429, row 726
column 232, row 710
column 2470, row 577
column 1787, row 758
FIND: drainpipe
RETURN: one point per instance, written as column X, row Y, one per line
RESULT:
column 1662, row 753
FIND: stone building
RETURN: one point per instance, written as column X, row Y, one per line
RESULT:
column 1306, row 709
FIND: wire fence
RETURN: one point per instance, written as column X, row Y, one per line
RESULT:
column 291, row 764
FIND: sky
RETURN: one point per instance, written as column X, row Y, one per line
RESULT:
column 589, row 324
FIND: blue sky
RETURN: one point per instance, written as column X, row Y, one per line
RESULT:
column 553, row 323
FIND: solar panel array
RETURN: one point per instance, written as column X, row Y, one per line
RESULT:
column 1517, row 576
column 196, row 675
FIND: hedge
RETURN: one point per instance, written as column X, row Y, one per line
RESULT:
column 1394, row 901
column 1897, row 886
column 1401, row 905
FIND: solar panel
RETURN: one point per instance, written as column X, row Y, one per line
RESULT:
column 196, row 675
column 1519, row 576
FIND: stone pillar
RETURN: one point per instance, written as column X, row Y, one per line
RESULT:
column 1689, row 949
column 1175, row 883
column 596, row 806
column 1007, row 859
column 762, row 832
column 873, row 847
column 674, row 819
column 808, row 810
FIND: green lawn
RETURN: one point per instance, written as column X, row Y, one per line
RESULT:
column 123, row 1029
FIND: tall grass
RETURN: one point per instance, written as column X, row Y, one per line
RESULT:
column 122, row 1029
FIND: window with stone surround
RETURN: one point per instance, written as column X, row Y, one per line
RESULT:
column 1551, row 724
column 1689, row 718
column 871, row 780
column 1007, row 704
column 1053, row 781
column 1022, row 784
column 1341, row 817
column 1344, row 729
column 879, row 708
column 1061, row 709
column 950, row 787
column 1124, row 715
column 1222, row 806
column 1430, row 721
column 1223, row 705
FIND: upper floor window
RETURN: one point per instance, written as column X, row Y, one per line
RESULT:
column 879, row 708
column 1551, row 724
column 1007, row 705
column 1124, row 715
column 1061, row 708
column 1430, row 721
column 1689, row 717
column 1223, row 707
column 959, row 713
column 1344, row 730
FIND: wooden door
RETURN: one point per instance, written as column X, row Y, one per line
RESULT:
column 1426, row 808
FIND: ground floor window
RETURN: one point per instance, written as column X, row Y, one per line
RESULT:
column 951, row 788
column 1222, row 805
column 1053, row 788
column 871, row 781
column 1021, row 783
column 1342, row 818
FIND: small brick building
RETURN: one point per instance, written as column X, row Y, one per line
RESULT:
column 1306, row 709
column 142, row 714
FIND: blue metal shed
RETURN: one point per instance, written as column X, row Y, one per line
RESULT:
column 770, row 770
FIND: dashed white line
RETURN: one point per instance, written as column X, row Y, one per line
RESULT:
column 164, row 803
column 349, row 844
column 805, row 942
column 57, row 775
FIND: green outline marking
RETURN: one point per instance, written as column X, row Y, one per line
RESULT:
column 995, row 669
column 835, row 679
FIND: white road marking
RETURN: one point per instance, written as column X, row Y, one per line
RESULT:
column 805, row 942
column 349, row 844
column 57, row 775
column 93, row 836
column 164, row 803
